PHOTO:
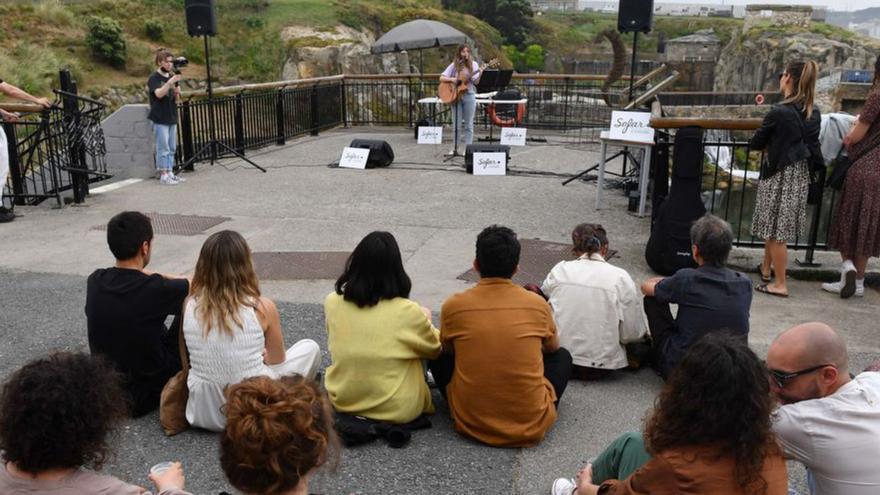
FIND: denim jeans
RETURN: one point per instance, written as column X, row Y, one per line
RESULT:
column 4, row 162
column 463, row 110
column 166, row 146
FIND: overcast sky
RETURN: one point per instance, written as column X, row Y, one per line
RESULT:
column 835, row 5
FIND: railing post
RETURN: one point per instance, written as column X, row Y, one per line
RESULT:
column 186, row 133
column 76, row 153
column 238, row 125
column 18, row 188
column 565, row 107
column 409, row 91
column 280, row 134
column 344, row 100
column 313, row 104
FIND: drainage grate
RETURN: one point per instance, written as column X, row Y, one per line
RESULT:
column 536, row 258
column 173, row 224
column 300, row 265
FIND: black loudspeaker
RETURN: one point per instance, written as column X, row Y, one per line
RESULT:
column 201, row 18
column 381, row 154
column 483, row 148
column 635, row 15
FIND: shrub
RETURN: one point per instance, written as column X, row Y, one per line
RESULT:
column 40, row 73
column 106, row 41
column 154, row 29
column 254, row 22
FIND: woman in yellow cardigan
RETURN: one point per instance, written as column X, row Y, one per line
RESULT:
column 378, row 337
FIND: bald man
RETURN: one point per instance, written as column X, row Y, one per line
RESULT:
column 827, row 420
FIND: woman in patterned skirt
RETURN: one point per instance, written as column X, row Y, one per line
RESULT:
column 855, row 231
column 789, row 132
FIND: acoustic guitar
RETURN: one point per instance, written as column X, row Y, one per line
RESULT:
column 450, row 92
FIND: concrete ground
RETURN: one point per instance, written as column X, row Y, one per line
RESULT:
column 435, row 210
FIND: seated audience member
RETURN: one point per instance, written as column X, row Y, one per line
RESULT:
column 232, row 332
column 55, row 417
column 277, row 432
column 503, row 372
column 126, row 307
column 709, row 433
column 596, row 306
column 378, row 337
column 828, row 421
column 709, row 298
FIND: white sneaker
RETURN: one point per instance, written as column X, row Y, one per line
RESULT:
column 168, row 180
column 836, row 288
column 563, row 486
column 848, row 280
column 177, row 177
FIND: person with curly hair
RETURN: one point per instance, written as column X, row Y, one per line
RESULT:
column 710, row 433
column 232, row 332
column 277, row 433
column 55, row 416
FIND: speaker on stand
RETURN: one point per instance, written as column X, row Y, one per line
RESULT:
column 201, row 20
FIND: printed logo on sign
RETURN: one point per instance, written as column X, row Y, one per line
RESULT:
column 430, row 135
column 354, row 158
column 631, row 126
column 513, row 136
column 490, row 163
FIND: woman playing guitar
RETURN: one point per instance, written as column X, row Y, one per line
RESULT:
column 463, row 71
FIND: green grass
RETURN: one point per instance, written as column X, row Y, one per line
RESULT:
column 320, row 14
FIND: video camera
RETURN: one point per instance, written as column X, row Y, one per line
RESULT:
column 178, row 63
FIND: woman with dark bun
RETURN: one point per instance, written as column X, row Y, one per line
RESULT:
column 277, row 433
column 710, row 433
column 55, row 416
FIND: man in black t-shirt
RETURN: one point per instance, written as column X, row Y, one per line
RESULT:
column 164, row 92
column 6, row 214
column 710, row 298
column 127, row 306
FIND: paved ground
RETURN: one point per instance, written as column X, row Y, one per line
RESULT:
column 435, row 210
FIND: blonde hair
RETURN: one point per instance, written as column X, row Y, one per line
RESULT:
column 224, row 281
column 804, row 75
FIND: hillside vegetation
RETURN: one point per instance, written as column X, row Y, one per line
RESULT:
column 41, row 36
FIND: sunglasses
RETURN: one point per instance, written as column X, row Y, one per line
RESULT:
column 781, row 75
column 782, row 377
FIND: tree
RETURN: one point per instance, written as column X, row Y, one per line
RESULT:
column 513, row 19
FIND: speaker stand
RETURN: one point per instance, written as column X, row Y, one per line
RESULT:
column 214, row 143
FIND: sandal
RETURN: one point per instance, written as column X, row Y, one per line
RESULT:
column 764, row 289
column 765, row 278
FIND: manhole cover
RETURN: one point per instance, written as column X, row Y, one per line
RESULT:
column 172, row 224
column 300, row 265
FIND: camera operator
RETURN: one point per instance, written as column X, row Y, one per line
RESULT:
column 164, row 92
column 6, row 215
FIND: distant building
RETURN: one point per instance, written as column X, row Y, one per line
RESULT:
column 693, row 10
column 702, row 46
column 554, row 5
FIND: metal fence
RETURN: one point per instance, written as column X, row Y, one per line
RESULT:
column 55, row 150
column 730, row 174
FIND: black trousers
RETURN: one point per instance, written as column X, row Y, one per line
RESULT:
column 145, row 396
column 662, row 326
column 557, row 370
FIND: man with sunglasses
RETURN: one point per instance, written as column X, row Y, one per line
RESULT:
column 827, row 420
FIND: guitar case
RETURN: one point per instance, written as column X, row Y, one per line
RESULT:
column 669, row 247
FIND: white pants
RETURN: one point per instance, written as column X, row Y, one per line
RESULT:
column 302, row 358
column 4, row 163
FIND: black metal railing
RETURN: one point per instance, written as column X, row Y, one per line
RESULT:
column 710, row 98
column 55, row 150
column 730, row 175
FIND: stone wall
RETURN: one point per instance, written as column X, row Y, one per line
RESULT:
column 777, row 15
column 128, row 135
column 676, row 51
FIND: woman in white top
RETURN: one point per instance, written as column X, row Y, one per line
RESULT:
column 596, row 305
column 232, row 332
column 463, row 70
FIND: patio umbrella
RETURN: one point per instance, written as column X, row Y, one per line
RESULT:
column 418, row 35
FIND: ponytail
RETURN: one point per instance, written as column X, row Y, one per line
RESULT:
column 876, row 84
column 804, row 75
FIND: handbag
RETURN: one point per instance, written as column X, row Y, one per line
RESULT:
column 838, row 174
column 175, row 393
column 815, row 162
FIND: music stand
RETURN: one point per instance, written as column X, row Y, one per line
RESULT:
column 494, row 80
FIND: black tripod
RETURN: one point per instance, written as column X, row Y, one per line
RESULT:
column 625, row 153
column 213, row 144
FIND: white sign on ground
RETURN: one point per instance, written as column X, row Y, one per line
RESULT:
column 430, row 135
column 490, row 163
column 354, row 158
column 513, row 136
column 631, row 126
